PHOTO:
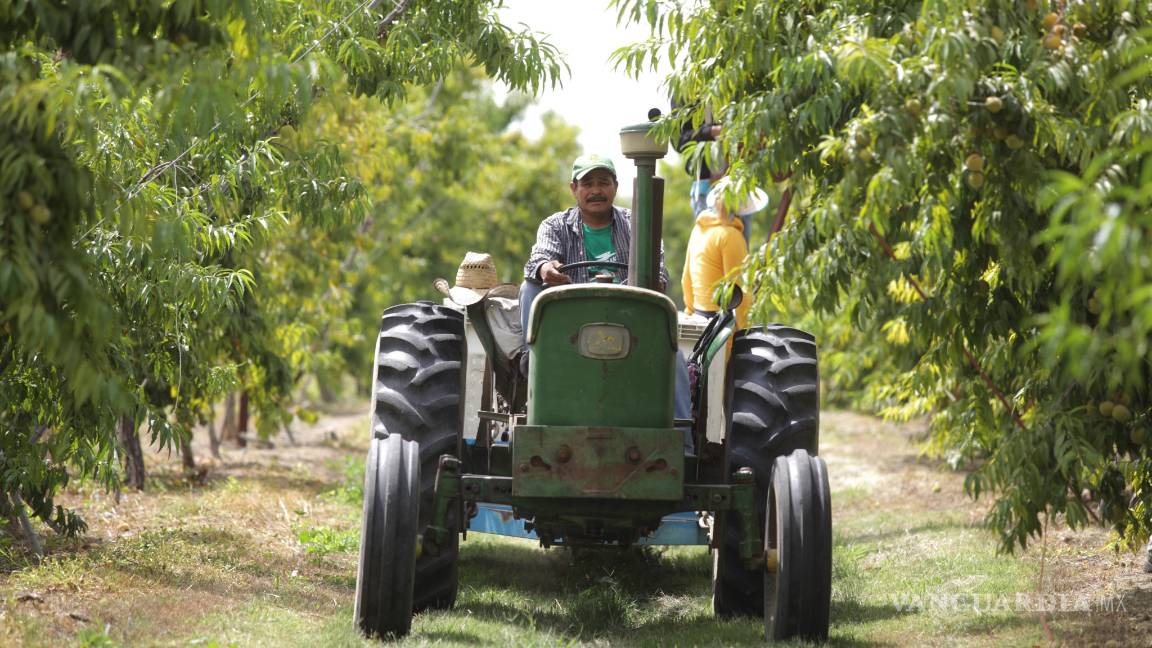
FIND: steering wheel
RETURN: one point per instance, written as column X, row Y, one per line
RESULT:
column 587, row 264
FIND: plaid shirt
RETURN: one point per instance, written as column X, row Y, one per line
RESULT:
column 560, row 237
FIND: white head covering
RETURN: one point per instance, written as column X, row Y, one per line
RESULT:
column 754, row 202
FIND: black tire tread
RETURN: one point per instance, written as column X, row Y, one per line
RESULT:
column 386, row 567
column 799, row 592
column 417, row 393
column 804, row 508
column 772, row 384
column 780, row 534
column 822, row 606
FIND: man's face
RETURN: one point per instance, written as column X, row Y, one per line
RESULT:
column 595, row 192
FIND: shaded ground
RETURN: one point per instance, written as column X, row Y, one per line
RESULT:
column 263, row 553
column 1093, row 595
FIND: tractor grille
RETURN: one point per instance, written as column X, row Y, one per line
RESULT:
column 690, row 327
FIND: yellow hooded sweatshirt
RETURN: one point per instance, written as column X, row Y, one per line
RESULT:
column 715, row 249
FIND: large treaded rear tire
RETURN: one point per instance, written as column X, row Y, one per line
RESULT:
column 773, row 392
column 418, row 394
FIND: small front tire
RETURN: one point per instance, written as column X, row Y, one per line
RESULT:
column 798, row 535
column 388, row 537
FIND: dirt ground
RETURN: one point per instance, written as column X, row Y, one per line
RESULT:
column 319, row 446
column 862, row 451
column 884, row 459
column 876, row 458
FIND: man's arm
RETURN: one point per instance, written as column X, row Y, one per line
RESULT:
column 547, row 248
column 704, row 133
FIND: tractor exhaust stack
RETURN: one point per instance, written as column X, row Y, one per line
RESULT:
column 637, row 144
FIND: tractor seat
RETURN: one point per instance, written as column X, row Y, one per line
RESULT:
column 503, row 317
column 497, row 323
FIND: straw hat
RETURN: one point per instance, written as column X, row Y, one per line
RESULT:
column 475, row 279
column 755, row 201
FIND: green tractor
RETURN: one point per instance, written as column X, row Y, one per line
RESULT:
column 584, row 450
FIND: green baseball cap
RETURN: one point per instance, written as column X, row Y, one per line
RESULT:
column 586, row 163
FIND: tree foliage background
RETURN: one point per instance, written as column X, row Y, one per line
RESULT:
column 199, row 195
column 972, row 231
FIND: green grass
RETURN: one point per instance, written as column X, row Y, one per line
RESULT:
column 514, row 593
column 321, row 541
column 350, row 489
column 899, row 575
column 269, row 559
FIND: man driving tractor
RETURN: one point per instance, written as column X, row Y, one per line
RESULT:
column 593, row 230
column 593, row 444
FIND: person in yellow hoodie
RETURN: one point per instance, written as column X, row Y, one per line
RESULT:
column 716, row 249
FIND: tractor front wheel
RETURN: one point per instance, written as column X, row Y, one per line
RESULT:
column 388, row 537
column 798, row 550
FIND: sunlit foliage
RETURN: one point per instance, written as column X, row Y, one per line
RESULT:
column 155, row 189
column 972, row 236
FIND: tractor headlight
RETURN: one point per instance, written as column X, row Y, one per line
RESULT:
column 603, row 341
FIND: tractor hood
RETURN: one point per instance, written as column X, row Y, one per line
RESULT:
column 614, row 294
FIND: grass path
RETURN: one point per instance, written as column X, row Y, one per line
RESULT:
column 264, row 554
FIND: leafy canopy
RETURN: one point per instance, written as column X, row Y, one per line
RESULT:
column 152, row 193
column 971, row 233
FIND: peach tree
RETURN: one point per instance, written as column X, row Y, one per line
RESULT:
column 971, row 226
column 151, row 189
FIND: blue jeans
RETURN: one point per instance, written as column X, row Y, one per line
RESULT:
column 681, row 393
column 698, row 195
column 528, row 292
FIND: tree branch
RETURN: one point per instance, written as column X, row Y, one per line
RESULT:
column 430, row 105
column 967, row 354
column 391, row 17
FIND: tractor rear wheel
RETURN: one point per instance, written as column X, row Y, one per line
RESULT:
column 798, row 549
column 418, row 394
column 388, row 537
column 774, row 409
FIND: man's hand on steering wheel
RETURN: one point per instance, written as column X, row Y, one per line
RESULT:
column 551, row 275
column 554, row 273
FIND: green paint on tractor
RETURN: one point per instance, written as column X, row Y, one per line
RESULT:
column 602, row 356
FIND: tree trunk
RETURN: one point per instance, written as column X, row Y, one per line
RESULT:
column 327, row 394
column 133, row 454
column 228, row 427
column 19, row 519
column 12, row 527
column 242, row 421
column 213, row 440
column 29, row 530
column 186, row 456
